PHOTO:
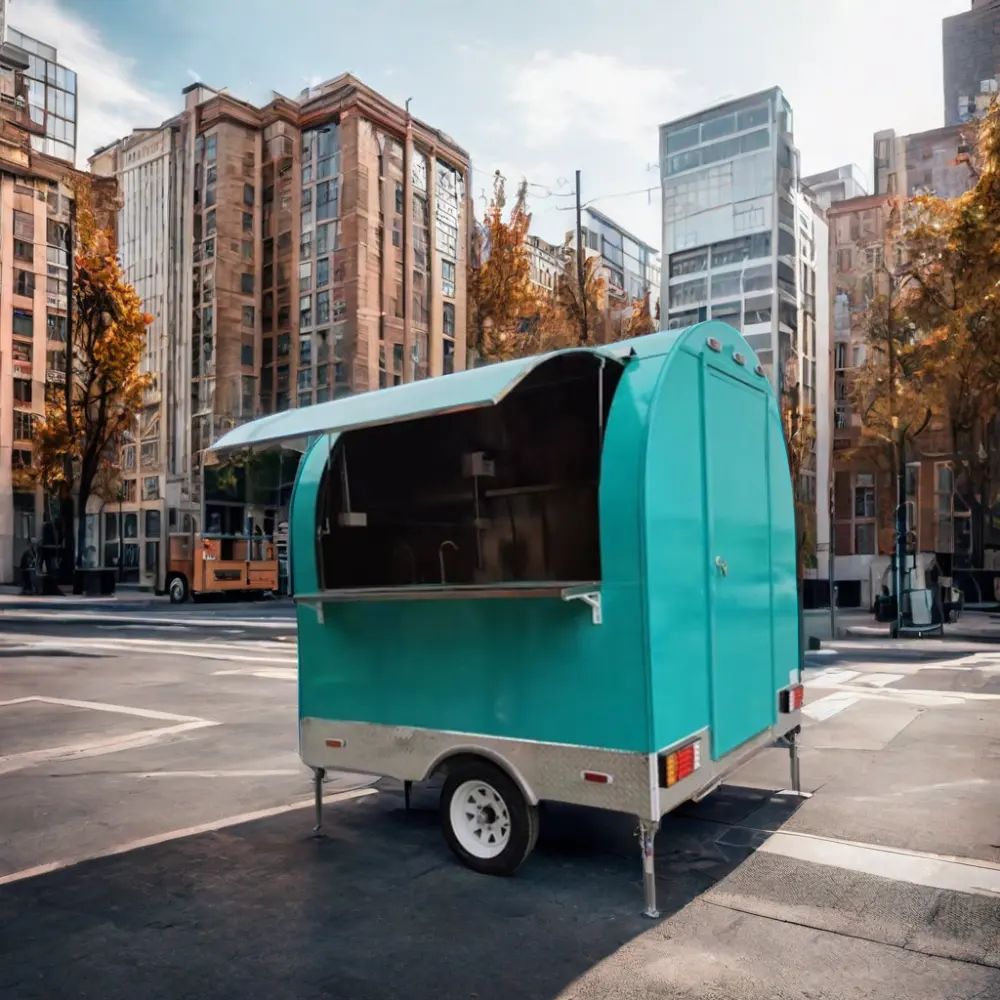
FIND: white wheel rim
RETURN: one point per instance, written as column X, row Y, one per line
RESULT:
column 177, row 588
column 480, row 819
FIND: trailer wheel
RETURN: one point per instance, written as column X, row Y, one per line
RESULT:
column 487, row 821
column 178, row 590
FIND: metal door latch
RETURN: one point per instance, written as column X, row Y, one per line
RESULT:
column 721, row 565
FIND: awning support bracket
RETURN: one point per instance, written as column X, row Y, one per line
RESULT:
column 592, row 598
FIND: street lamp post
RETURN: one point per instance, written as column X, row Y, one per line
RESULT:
column 121, row 531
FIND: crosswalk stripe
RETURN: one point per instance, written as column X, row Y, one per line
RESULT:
column 832, row 704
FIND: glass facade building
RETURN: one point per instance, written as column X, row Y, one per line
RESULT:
column 52, row 93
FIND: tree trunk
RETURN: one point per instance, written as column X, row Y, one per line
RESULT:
column 86, row 484
column 68, row 559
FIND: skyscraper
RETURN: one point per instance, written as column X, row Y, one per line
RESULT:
column 971, row 49
column 744, row 243
column 289, row 254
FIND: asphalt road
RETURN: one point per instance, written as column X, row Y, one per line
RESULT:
column 156, row 840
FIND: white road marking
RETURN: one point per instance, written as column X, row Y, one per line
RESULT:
column 832, row 677
column 104, row 706
column 144, row 628
column 274, row 673
column 191, row 831
column 878, row 680
column 917, row 868
column 223, row 774
column 100, row 745
column 229, row 652
column 829, row 706
column 89, row 616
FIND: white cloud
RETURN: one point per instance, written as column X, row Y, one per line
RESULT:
column 111, row 101
column 598, row 97
column 194, row 74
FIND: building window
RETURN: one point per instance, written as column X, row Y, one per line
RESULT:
column 24, row 324
column 864, row 539
column 864, row 498
column 322, row 272
column 323, row 307
column 688, row 263
column 23, row 425
column 246, row 283
column 246, row 355
column 248, row 316
column 305, row 310
column 944, row 507
column 24, row 251
column 399, row 198
column 339, row 310
column 305, row 275
column 210, row 147
column 448, row 319
column 210, row 222
column 209, row 249
column 247, row 249
column 24, row 283
column 24, row 227
column 689, row 292
column 22, row 390
column 448, row 278
column 248, row 194
column 326, row 199
column 305, row 349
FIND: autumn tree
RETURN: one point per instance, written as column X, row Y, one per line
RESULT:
column 575, row 319
column 102, row 388
column 637, row 321
column 952, row 303
column 503, row 303
column 798, row 421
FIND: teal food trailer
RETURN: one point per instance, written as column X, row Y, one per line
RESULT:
column 568, row 577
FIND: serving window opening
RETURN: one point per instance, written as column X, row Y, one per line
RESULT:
column 498, row 497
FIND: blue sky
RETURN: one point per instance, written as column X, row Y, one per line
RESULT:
column 536, row 88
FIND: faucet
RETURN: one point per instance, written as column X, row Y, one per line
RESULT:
column 441, row 549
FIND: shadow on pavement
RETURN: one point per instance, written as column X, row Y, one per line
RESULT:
column 376, row 908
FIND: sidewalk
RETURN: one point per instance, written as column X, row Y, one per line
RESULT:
column 973, row 626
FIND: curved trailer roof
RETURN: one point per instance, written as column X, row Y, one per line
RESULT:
column 466, row 390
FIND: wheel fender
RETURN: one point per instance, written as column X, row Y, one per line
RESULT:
column 441, row 762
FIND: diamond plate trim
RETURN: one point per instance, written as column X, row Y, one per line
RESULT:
column 551, row 771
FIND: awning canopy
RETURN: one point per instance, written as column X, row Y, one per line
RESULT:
column 466, row 390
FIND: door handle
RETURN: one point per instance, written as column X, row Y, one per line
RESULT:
column 720, row 564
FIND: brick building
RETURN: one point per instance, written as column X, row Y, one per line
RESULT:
column 289, row 254
column 864, row 501
column 36, row 212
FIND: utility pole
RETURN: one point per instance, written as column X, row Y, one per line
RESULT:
column 897, row 434
column 580, row 271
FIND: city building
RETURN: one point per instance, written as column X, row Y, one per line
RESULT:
column 35, row 245
column 289, row 254
column 971, row 50
column 934, row 162
column 862, row 233
column 51, row 97
column 838, row 184
column 545, row 261
column 630, row 267
column 744, row 243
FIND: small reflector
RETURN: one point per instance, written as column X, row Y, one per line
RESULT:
column 759, row 371
column 739, row 358
column 715, row 345
column 336, row 744
column 790, row 700
column 598, row 777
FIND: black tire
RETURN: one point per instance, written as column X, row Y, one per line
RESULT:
column 501, row 796
column 178, row 590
